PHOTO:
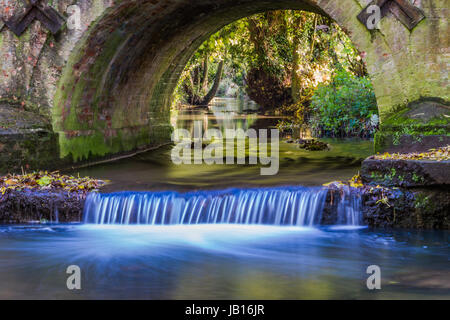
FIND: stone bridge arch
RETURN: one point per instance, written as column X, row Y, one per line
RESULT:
column 105, row 89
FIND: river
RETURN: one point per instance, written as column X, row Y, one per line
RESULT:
column 222, row 232
column 220, row 262
column 154, row 170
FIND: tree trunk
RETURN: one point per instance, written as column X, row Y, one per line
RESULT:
column 205, row 75
column 295, row 79
column 188, row 87
column 212, row 92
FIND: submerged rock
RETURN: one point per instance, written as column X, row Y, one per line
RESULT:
column 312, row 145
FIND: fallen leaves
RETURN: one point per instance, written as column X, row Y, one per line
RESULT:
column 11, row 182
column 44, row 181
column 54, row 181
column 439, row 154
column 354, row 182
column 379, row 194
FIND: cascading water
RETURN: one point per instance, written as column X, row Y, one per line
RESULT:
column 349, row 207
column 291, row 206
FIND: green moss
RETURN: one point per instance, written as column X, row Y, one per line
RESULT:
column 69, row 86
column 399, row 121
column 81, row 148
column 399, row 125
column 375, row 175
column 72, row 122
column 96, row 145
column 422, row 202
column 416, row 178
column 379, row 141
column 389, row 177
column 72, row 92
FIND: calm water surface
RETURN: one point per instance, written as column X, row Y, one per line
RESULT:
column 155, row 171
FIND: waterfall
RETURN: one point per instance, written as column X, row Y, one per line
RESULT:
column 349, row 207
column 290, row 206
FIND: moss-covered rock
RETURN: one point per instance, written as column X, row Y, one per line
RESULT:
column 26, row 140
column 421, row 125
column 407, row 208
column 312, row 145
column 425, row 207
column 405, row 173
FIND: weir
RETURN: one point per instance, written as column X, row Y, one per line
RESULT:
column 284, row 206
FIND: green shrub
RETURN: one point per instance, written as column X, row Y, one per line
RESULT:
column 345, row 107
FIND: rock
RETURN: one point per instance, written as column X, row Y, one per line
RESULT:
column 25, row 206
column 408, row 209
column 313, row 145
column 411, row 143
column 409, row 193
column 393, row 207
column 26, row 140
column 405, row 173
column 427, row 110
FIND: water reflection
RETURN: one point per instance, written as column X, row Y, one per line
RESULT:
column 224, row 113
column 154, row 170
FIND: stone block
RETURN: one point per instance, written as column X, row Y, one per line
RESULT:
column 406, row 173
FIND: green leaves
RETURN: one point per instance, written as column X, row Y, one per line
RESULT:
column 345, row 106
column 44, row 181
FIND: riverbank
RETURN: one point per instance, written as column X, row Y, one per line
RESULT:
column 408, row 191
column 411, row 189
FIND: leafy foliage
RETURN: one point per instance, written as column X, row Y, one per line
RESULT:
column 345, row 107
column 298, row 48
column 285, row 59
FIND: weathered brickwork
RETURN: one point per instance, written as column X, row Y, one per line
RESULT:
column 106, row 88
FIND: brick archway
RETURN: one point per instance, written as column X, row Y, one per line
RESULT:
column 107, row 88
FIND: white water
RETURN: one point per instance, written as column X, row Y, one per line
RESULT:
column 288, row 206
